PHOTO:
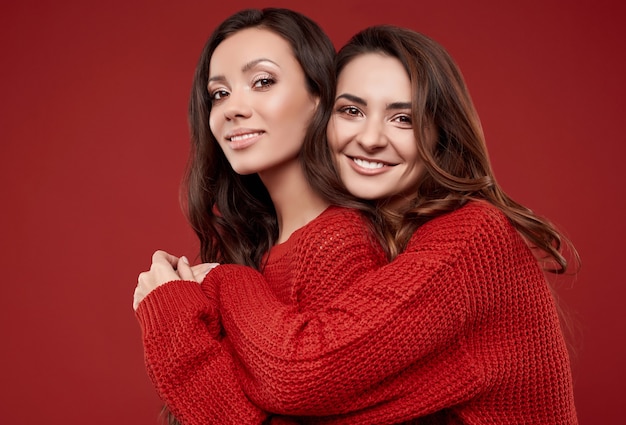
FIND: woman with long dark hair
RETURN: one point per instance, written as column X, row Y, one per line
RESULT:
column 461, row 327
column 260, row 182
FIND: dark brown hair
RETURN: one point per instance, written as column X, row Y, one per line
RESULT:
column 457, row 167
column 233, row 214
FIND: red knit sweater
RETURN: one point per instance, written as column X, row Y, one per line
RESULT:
column 186, row 358
column 461, row 328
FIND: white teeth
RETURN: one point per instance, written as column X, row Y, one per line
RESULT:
column 243, row 137
column 367, row 164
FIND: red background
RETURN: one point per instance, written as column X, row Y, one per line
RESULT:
column 93, row 141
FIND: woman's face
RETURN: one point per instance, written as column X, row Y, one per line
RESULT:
column 260, row 104
column 371, row 133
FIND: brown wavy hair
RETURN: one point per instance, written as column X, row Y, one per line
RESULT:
column 233, row 215
column 457, row 167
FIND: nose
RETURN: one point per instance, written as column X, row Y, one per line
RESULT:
column 372, row 136
column 237, row 105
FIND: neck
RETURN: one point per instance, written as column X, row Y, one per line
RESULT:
column 295, row 201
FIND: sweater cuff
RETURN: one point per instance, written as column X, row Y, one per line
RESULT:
column 226, row 274
column 173, row 302
column 211, row 282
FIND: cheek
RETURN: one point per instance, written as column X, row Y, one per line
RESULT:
column 271, row 107
column 336, row 135
column 331, row 135
column 213, row 123
column 295, row 107
column 282, row 108
column 407, row 147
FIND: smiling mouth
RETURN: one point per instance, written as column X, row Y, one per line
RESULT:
column 370, row 165
column 242, row 137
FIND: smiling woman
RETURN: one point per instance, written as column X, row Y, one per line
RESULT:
column 371, row 129
column 320, row 329
column 261, row 189
column 261, row 106
column 446, row 332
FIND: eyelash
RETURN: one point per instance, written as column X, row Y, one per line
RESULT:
column 265, row 80
column 220, row 92
column 408, row 121
column 353, row 111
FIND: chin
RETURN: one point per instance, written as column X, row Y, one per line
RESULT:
column 245, row 168
column 242, row 171
column 363, row 194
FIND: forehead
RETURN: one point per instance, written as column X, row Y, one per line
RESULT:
column 250, row 44
column 377, row 75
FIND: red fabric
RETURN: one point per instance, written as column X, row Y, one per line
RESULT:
column 192, row 372
column 192, row 368
column 461, row 328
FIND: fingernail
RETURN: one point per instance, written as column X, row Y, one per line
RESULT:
column 185, row 260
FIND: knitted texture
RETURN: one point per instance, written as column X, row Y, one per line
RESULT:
column 182, row 348
column 461, row 329
column 190, row 365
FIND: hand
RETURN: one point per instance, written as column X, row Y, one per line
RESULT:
column 161, row 271
column 200, row 270
column 166, row 268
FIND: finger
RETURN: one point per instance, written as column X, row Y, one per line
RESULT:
column 210, row 266
column 162, row 256
column 138, row 296
column 184, row 269
column 200, row 271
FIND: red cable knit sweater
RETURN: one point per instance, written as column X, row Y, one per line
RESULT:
column 461, row 328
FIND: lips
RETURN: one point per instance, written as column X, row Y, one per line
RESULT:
column 369, row 166
column 372, row 165
column 243, row 138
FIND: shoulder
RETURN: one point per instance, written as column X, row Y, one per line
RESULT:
column 340, row 228
column 337, row 220
column 473, row 216
column 335, row 213
column 476, row 239
column 477, row 222
column 336, row 226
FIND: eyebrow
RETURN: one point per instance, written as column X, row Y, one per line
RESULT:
column 361, row 101
column 247, row 67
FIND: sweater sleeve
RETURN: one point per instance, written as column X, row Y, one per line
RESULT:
column 190, row 368
column 353, row 352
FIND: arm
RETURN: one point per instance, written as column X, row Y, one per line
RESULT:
column 191, row 370
column 350, row 354
column 185, row 359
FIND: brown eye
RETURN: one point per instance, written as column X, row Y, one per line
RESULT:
column 264, row 82
column 403, row 119
column 352, row 111
column 218, row 95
